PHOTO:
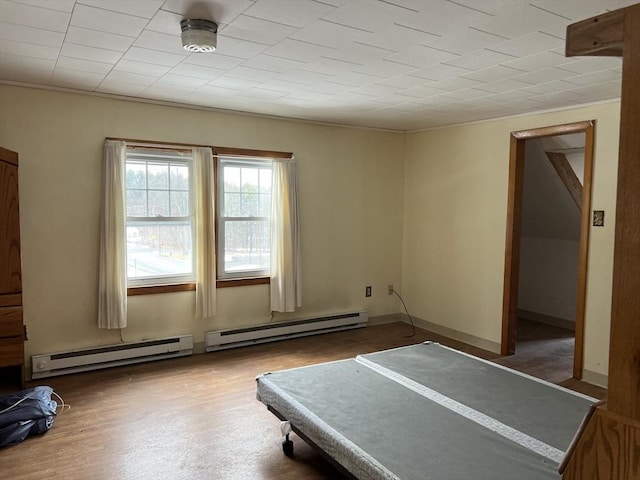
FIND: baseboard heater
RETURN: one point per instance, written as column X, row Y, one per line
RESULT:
column 49, row 365
column 240, row 337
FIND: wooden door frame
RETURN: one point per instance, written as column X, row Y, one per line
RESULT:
column 514, row 218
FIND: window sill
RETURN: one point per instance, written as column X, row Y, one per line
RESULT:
column 240, row 282
column 153, row 289
column 186, row 287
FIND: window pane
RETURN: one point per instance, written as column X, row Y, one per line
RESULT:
column 179, row 177
column 136, row 203
column 158, row 175
column 249, row 203
column 232, row 205
column 246, row 246
column 158, row 186
column 156, row 250
column 264, row 209
column 136, row 175
column 265, row 181
column 231, row 179
column 180, row 204
column 158, row 203
column 249, row 179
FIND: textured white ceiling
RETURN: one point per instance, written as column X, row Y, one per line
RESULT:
column 395, row 64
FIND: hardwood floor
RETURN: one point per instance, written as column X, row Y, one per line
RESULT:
column 195, row 417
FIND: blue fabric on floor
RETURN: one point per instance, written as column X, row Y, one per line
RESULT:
column 26, row 412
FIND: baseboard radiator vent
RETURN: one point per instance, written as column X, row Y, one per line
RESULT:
column 240, row 337
column 49, row 365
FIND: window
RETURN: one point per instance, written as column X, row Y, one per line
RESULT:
column 159, row 226
column 244, row 217
column 159, row 217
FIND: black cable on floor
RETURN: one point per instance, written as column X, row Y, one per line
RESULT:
column 413, row 327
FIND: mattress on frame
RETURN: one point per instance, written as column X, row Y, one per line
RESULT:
column 428, row 412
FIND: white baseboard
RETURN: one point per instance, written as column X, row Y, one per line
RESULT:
column 454, row 334
column 595, row 378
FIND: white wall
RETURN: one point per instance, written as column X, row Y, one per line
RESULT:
column 455, row 225
column 549, row 277
column 424, row 211
column 351, row 184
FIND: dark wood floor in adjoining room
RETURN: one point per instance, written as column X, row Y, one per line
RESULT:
column 542, row 350
column 193, row 418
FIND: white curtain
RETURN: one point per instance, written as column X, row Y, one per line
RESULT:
column 286, row 278
column 204, row 194
column 112, row 297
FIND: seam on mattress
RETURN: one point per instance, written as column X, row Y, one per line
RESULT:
column 480, row 418
column 352, row 457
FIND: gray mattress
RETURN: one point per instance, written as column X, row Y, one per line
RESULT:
column 428, row 412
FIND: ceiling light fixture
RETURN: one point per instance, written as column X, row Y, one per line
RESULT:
column 199, row 35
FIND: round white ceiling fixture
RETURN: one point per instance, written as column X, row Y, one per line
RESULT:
column 199, row 35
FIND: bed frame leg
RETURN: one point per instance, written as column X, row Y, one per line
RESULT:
column 287, row 446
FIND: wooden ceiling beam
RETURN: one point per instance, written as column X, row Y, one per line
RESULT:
column 600, row 36
column 567, row 175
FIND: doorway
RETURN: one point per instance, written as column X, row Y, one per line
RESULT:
column 514, row 239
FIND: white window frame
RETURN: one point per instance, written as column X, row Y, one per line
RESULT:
column 171, row 157
column 247, row 162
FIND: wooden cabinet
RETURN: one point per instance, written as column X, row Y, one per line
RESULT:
column 11, row 325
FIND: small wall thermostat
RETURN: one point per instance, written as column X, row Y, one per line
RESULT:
column 598, row 218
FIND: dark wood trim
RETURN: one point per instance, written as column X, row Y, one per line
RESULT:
column 186, row 287
column 602, row 36
column 624, row 347
column 155, row 142
column 553, row 130
column 231, row 151
column 10, row 299
column 158, row 148
column 153, row 289
column 514, row 218
column 9, row 156
column 583, row 252
column 246, row 152
column 512, row 247
column 240, row 282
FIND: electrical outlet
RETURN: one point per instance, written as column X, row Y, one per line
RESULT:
column 367, row 291
column 391, row 290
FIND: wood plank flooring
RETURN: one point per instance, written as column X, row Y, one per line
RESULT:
column 543, row 351
column 193, row 418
